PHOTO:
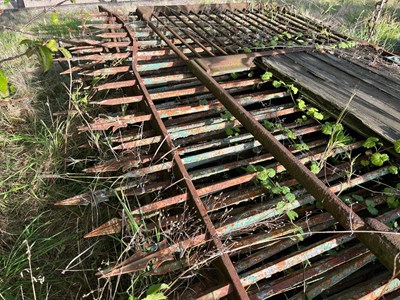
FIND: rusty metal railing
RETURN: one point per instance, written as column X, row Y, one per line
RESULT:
column 179, row 162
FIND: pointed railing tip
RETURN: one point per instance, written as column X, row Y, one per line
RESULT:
column 110, row 227
column 83, row 199
column 94, row 198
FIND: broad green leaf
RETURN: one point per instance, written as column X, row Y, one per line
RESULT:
column 394, row 170
column 276, row 190
column 370, row 142
column 290, row 134
column 203, row 102
column 154, row 289
column 301, row 147
column 285, row 190
column 266, row 76
column 369, row 203
column 158, row 296
column 287, row 34
column 4, row 91
column 267, row 184
column 318, row 116
column 246, row 50
column 392, row 202
column 294, row 89
column 314, row 168
column 234, row 75
column 327, row 128
column 27, row 42
column 260, row 168
column 378, row 159
column 397, row 146
column 269, row 125
column 52, row 45
column 227, row 116
column 277, row 83
column 312, row 110
column 365, row 162
column 280, row 205
column 301, row 105
column 262, row 175
column 292, row 215
column 271, row 172
column 357, row 197
column 290, row 197
column 251, row 169
column 229, row 131
column 68, row 55
column 45, row 57
column 54, row 18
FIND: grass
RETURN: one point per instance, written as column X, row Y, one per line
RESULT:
column 38, row 241
column 42, row 253
column 352, row 17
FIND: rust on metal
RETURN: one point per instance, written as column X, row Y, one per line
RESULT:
column 184, row 111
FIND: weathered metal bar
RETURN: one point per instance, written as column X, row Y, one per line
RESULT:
column 216, row 66
column 335, row 276
column 115, row 85
column 291, row 281
column 112, row 35
column 391, row 286
column 104, row 26
column 174, row 93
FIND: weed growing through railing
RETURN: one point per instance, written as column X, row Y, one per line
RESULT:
column 278, row 126
column 376, row 157
column 265, row 177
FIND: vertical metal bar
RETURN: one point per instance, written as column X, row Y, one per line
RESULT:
column 189, row 35
column 222, row 51
column 208, row 33
column 177, row 36
column 234, row 41
column 234, row 22
column 250, row 41
column 262, row 29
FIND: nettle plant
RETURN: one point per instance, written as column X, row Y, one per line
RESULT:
column 230, row 131
column 265, row 176
column 376, row 157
